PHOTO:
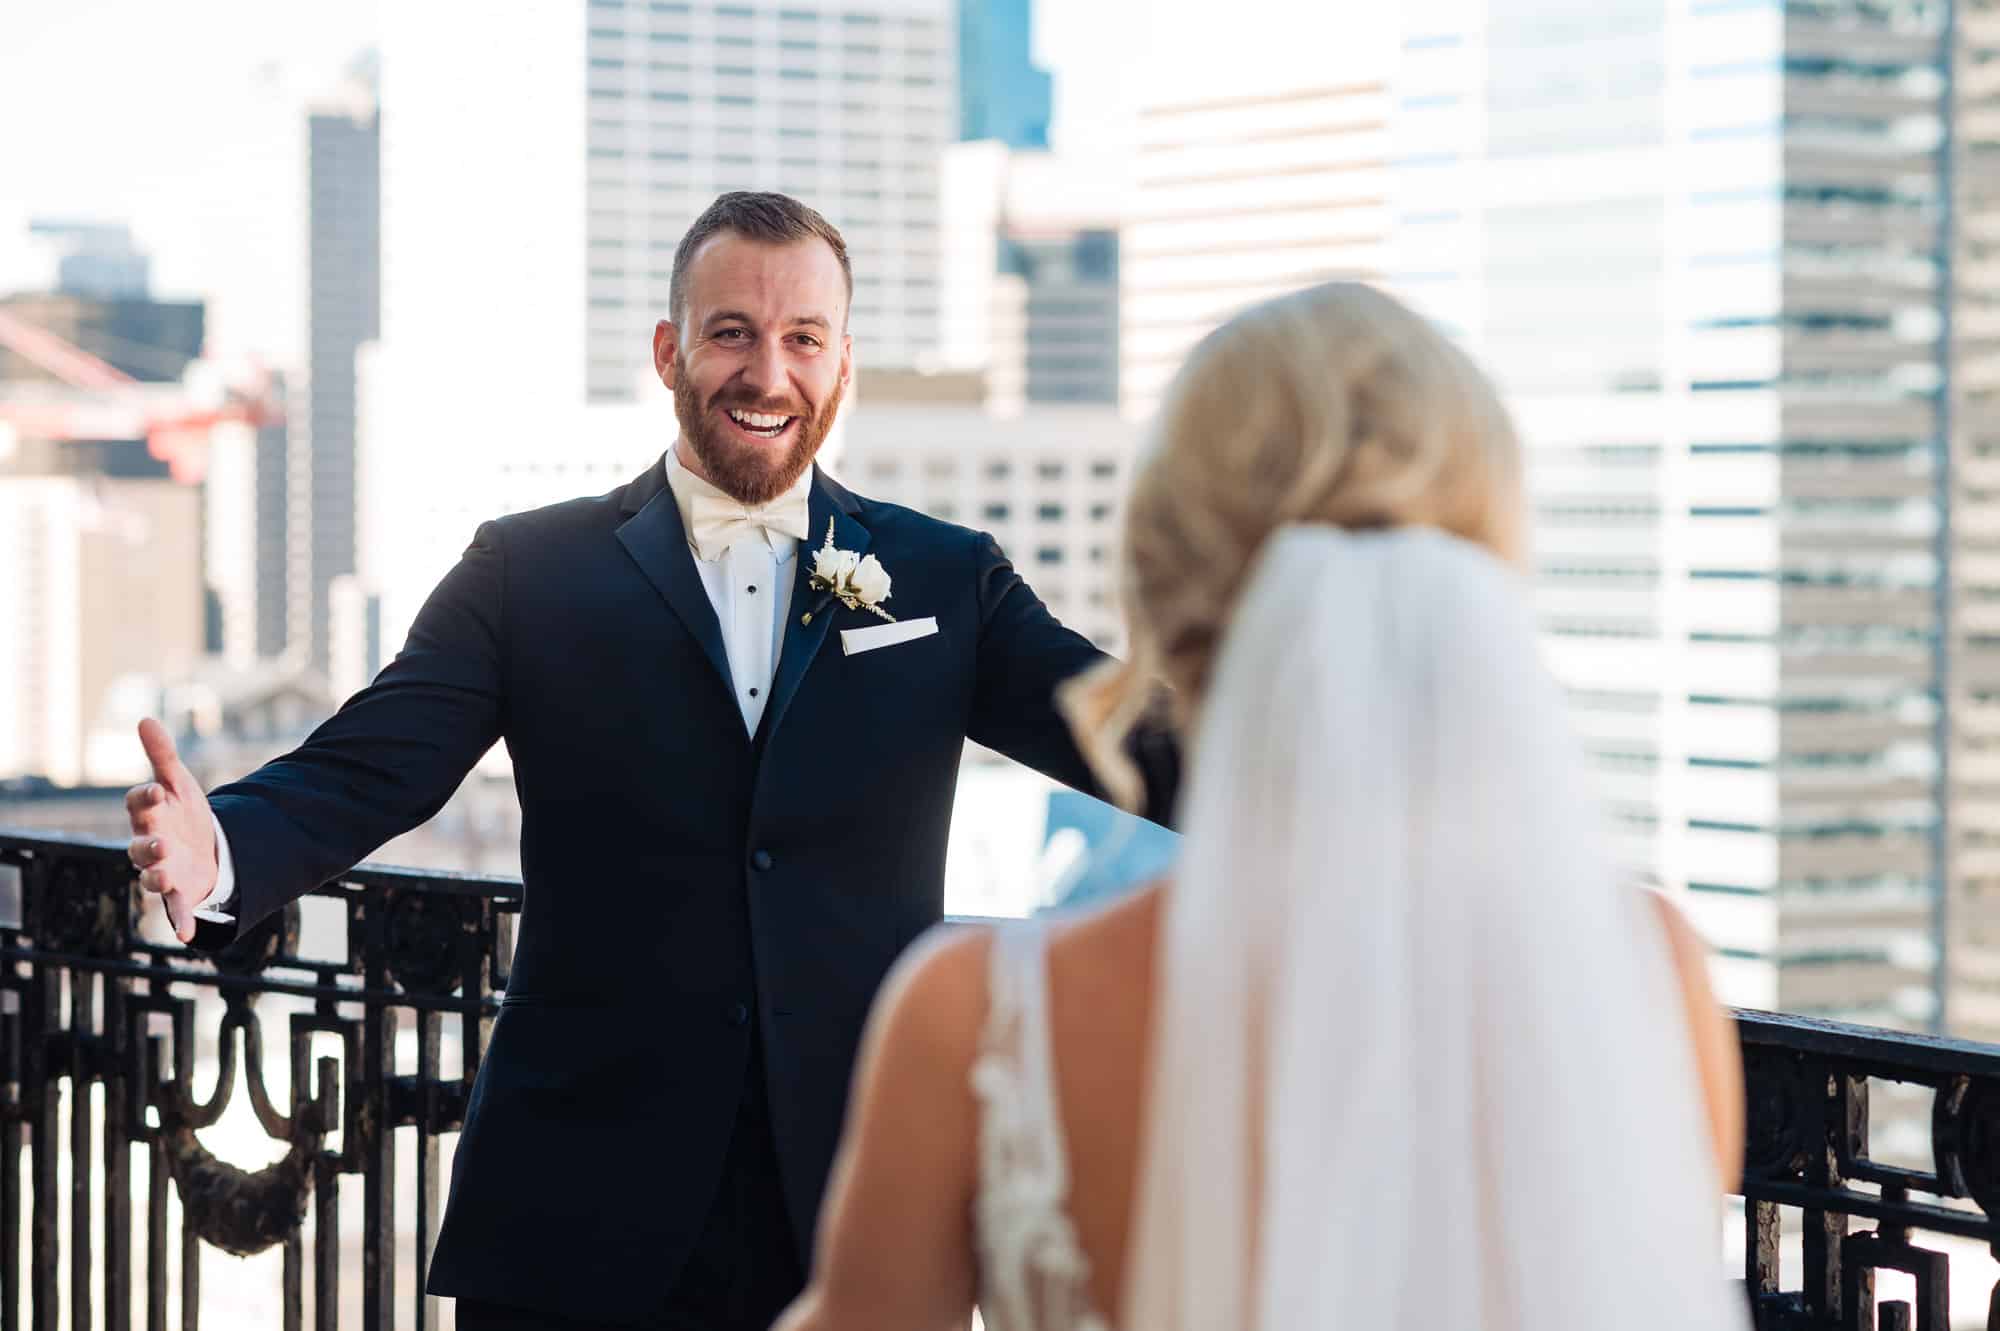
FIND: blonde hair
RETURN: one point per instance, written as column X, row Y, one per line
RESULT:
column 1333, row 405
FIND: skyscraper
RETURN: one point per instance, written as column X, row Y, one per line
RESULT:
column 99, row 592
column 1720, row 279
column 846, row 108
column 1000, row 92
column 247, row 539
column 1031, row 273
column 344, row 303
column 1970, row 921
column 95, row 259
column 1241, row 198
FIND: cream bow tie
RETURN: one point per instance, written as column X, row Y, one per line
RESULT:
column 721, row 522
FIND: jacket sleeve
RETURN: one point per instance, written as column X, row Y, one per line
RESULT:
column 385, row 762
column 1024, row 655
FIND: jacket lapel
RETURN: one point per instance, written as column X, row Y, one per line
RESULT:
column 657, row 541
column 803, row 637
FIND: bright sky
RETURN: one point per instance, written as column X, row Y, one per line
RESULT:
column 172, row 116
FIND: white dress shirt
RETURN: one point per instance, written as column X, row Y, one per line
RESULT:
column 749, row 584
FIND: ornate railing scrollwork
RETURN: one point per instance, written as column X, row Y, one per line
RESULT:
column 88, row 999
column 1808, row 1154
column 90, row 996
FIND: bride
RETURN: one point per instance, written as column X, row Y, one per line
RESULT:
column 1394, row 1047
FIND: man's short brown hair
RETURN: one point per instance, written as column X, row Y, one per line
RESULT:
column 774, row 219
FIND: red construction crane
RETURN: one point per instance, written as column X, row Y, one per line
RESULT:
column 100, row 401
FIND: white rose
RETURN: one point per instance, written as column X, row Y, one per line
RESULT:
column 871, row 580
column 833, row 565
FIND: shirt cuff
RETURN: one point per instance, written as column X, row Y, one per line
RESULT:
column 216, row 910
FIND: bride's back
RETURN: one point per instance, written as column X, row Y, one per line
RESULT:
column 1100, row 1012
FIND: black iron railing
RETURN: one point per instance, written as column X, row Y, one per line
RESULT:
column 89, row 1000
column 1809, row 1158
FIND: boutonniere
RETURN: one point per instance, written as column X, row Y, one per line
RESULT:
column 858, row 582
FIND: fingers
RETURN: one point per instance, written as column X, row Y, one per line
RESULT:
column 154, row 880
column 160, row 752
column 146, row 851
column 146, row 809
column 141, row 798
column 180, row 916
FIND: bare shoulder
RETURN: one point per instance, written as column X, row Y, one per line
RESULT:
column 1681, row 936
column 935, row 995
column 1126, row 928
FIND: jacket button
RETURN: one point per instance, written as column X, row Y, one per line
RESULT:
column 761, row 860
column 739, row 1015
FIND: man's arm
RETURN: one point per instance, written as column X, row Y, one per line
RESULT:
column 1024, row 655
column 384, row 763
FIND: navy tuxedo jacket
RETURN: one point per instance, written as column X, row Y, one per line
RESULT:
column 681, row 878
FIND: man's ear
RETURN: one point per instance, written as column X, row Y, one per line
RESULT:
column 666, row 347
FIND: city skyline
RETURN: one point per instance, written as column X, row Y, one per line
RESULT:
column 1722, row 342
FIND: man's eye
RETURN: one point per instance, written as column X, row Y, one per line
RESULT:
column 731, row 335
column 807, row 339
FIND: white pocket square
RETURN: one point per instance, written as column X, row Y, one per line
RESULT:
column 856, row 641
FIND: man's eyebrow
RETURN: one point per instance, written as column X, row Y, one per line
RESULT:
column 796, row 321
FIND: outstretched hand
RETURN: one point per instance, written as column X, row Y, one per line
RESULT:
column 173, row 838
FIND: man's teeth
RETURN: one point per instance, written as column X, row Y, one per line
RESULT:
column 757, row 420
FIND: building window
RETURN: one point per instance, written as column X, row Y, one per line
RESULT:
column 994, row 512
column 1104, row 471
column 1100, row 512
column 1050, row 471
column 1049, row 554
column 1050, row 512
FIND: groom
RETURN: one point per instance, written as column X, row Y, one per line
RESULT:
column 735, row 790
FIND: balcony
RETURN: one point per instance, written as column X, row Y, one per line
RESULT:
column 386, row 981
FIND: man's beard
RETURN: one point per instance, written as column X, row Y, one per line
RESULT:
column 742, row 471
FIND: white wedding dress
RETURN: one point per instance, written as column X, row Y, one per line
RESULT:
column 1032, row 1274
column 1419, row 1060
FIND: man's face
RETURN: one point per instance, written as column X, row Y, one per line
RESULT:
column 757, row 362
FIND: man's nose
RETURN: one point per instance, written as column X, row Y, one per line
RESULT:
column 764, row 373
